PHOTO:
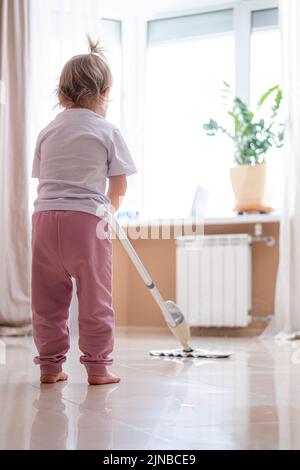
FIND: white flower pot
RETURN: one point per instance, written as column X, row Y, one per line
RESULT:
column 249, row 185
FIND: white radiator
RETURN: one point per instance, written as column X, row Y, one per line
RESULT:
column 213, row 279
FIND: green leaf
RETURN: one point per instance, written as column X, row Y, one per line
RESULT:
column 252, row 138
column 266, row 95
column 276, row 106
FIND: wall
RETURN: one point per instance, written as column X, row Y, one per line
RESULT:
column 145, row 8
column 134, row 305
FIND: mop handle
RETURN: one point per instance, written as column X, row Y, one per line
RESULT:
column 132, row 253
column 121, row 234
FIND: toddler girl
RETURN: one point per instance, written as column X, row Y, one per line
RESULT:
column 74, row 156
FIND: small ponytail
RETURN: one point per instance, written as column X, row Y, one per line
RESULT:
column 94, row 46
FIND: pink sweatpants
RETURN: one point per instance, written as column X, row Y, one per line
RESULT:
column 65, row 245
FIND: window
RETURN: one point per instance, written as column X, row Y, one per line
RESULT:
column 168, row 92
column 111, row 32
column 265, row 59
column 61, row 31
column 187, row 60
column 61, row 49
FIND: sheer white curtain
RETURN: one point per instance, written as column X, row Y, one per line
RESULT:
column 287, row 310
column 57, row 32
column 15, row 314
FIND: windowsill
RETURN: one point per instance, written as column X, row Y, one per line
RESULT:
column 210, row 220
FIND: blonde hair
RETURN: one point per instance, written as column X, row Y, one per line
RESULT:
column 84, row 78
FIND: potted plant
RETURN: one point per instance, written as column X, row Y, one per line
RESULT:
column 253, row 137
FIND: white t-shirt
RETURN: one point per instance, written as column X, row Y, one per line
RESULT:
column 74, row 155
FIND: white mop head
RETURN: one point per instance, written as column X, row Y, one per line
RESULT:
column 181, row 331
column 195, row 353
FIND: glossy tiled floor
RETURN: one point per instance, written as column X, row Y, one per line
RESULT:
column 251, row 401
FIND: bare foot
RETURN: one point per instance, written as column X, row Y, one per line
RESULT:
column 103, row 379
column 52, row 379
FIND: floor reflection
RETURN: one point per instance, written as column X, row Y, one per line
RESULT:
column 50, row 425
column 95, row 426
column 251, row 401
column 57, row 425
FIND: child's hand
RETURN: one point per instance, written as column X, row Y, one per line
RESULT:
column 116, row 191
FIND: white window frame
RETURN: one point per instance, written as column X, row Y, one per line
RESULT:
column 242, row 31
column 118, row 20
column 134, row 45
column 135, row 39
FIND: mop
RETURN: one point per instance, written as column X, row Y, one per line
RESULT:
column 171, row 312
